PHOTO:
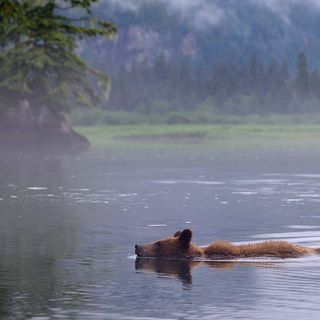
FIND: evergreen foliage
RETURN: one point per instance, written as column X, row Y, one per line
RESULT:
column 246, row 63
column 302, row 79
column 253, row 88
column 38, row 61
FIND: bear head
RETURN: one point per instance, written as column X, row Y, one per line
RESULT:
column 178, row 246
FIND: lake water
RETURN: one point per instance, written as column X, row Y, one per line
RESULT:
column 68, row 226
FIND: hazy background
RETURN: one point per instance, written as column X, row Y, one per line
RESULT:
column 239, row 79
column 220, row 56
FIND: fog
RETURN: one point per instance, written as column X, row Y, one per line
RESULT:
column 209, row 13
column 200, row 115
column 211, row 57
column 69, row 225
column 201, row 13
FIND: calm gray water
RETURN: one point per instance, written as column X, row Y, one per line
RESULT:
column 68, row 226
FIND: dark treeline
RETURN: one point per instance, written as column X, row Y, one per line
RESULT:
column 254, row 88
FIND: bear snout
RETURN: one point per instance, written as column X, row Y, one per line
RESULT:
column 137, row 250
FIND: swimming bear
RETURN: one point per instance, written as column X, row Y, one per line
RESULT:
column 180, row 246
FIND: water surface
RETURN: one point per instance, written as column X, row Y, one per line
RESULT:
column 68, row 226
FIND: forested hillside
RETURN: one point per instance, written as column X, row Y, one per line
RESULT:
column 220, row 56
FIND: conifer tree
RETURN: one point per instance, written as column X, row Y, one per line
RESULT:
column 302, row 77
column 38, row 61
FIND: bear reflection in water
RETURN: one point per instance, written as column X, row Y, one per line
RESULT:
column 172, row 268
column 182, row 268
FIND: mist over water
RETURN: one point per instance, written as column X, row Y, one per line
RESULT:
column 68, row 227
column 211, row 125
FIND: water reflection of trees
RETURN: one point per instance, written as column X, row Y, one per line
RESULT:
column 26, row 168
column 4, row 295
column 35, row 233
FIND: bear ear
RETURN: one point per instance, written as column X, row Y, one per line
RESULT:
column 177, row 234
column 185, row 238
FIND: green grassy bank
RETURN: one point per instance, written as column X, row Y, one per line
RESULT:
column 218, row 134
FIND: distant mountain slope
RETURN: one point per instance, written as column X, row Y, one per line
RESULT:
column 210, row 32
column 213, row 56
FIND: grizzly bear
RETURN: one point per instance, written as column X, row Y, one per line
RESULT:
column 180, row 246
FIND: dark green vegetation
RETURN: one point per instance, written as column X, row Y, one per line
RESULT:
column 38, row 59
column 40, row 72
column 100, row 117
column 239, row 90
column 255, row 58
column 252, row 89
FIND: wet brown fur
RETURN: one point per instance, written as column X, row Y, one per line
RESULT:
column 278, row 249
column 180, row 246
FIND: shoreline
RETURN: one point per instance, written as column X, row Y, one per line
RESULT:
column 276, row 134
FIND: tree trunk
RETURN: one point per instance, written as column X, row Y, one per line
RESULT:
column 40, row 127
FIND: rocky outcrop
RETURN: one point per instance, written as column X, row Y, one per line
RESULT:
column 40, row 127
